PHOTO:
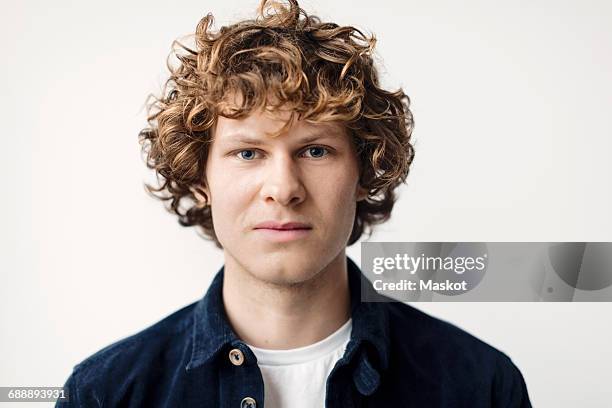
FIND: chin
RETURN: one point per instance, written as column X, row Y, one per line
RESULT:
column 286, row 269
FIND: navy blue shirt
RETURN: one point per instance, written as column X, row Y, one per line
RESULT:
column 397, row 356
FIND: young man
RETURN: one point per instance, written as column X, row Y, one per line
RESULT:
column 274, row 137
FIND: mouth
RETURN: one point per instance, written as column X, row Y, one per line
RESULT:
column 283, row 235
column 277, row 232
column 283, row 225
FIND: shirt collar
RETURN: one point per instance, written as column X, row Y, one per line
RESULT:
column 212, row 331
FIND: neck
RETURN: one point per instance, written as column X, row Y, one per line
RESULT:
column 281, row 317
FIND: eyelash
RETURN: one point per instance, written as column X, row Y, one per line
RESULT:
column 327, row 150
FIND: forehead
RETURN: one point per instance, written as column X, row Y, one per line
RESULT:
column 265, row 126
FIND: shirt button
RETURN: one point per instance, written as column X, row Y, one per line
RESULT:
column 248, row 402
column 237, row 358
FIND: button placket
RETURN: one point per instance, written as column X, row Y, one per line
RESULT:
column 238, row 358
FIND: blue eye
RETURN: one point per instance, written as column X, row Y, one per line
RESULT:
column 314, row 152
column 317, row 152
column 249, row 156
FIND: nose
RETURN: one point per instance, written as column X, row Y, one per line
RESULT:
column 282, row 181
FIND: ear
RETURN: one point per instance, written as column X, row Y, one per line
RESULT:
column 362, row 193
column 201, row 194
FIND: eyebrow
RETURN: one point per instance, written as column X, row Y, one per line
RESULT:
column 243, row 138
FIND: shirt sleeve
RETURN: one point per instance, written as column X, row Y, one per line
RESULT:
column 509, row 388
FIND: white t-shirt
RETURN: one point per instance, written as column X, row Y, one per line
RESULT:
column 297, row 378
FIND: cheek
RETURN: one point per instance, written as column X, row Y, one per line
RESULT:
column 232, row 196
column 223, row 183
column 337, row 195
column 224, row 200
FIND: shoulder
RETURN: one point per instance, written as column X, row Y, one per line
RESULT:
column 421, row 331
column 139, row 358
column 143, row 344
column 444, row 351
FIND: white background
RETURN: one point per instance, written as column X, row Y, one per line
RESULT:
column 512, row 104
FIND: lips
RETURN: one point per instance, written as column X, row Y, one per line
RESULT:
column 283, row 232
column 274, row 225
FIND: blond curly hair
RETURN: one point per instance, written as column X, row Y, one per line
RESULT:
column 284, row 58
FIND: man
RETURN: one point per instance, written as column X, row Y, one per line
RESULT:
column 274, row 137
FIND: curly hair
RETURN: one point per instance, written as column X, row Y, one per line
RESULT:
column 284, row 58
